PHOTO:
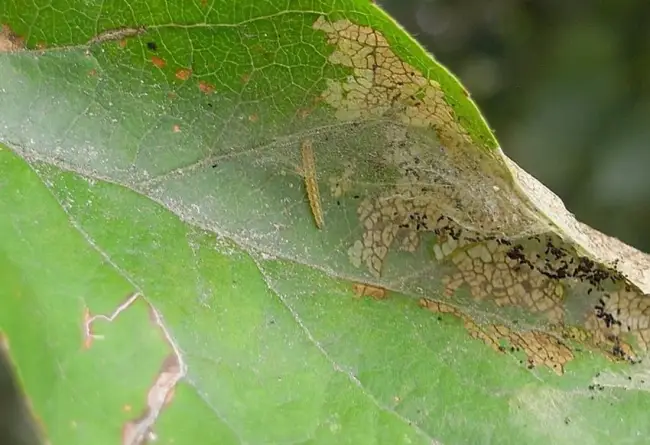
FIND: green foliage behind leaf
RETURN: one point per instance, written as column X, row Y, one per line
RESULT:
column 164, row 276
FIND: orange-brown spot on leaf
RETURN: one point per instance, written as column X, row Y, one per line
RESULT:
column 127, row 408
column 169, row 397
column 245, row 78
column 206, row 87
column 303, row 113
column 366, row 290
column 9, row 41
column 160, row 63
column 130, row 434
column 176, row 128
column 253, row 117
column 88, row 334
column 122, row 43
column 92, row 73
column 172, row 95
column 257, row 48
column 183, row 74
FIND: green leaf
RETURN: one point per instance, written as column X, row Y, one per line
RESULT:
column 164, row 272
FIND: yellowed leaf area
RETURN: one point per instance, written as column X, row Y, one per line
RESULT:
column 491, row 242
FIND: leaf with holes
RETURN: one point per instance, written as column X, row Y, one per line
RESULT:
column 265, row 222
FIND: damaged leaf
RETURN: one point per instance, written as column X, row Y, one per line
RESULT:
column 243, row 174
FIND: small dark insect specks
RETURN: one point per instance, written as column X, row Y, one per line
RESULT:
column 152, row 46
column 356, row 196
column 215, row 165
column 338, row 203
column 567, row 420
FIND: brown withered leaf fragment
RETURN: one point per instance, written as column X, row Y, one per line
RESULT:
column 367, row 290
column 10, row 41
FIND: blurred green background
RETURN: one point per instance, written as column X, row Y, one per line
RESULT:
column 566, row 87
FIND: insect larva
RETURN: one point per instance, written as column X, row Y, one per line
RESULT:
column 309, row 171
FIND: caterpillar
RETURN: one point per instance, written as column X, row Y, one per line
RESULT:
column 311, row 185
